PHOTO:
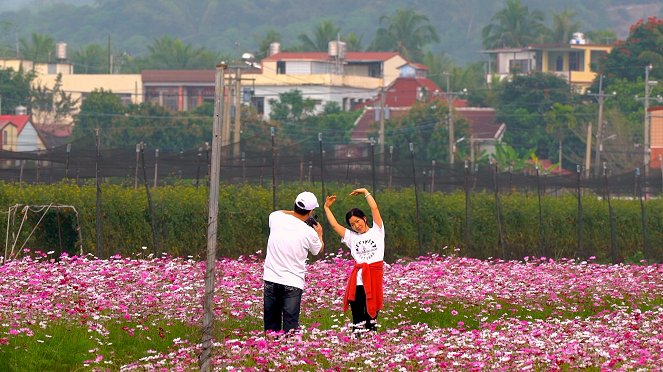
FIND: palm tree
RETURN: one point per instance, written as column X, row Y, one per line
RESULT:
column 272, row 36
column 406, row 32
column 38, row 49
column 513, row 27
column 353, row 42
column 91, row 59
column 322, row 35
column 563, row 26
column 169, row 53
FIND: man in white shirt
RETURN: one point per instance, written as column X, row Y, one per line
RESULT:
column 291, row 238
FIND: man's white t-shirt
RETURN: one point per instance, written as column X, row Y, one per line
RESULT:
column 290, row 241
column 365, row 248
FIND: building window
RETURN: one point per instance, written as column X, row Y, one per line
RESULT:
column 280, row 67
column 518, row 66
column 576, row 61
column 125, row 98
column 259, row 104
column 559, row 64
column 375, row 70
column 5, row 137
column 170, row 101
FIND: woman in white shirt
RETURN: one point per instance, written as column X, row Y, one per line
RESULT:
column 364, row 292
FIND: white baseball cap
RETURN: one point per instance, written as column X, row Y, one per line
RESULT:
column 307, row 201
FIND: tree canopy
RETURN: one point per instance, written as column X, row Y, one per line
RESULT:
column 514, row 26
column 406, row 32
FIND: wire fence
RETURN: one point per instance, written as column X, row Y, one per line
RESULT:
column 360, row 163
column 354, row 164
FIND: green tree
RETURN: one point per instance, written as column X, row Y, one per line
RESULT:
column 39, row 48
column 601, row 36
column 52, row 105
column 15, row 89
column 98, row 111
column 559, row 121
column 521, row 104
column 508, row 158
column 169, row 53
column 291, row 107
column 426, row 127
column 322, row 35
column 512, row 27
column 643, row 47
column 353, row 42
column 156, row 127
column 563, row 26
column 406, row 32
column 90, row 59
column 272, row 36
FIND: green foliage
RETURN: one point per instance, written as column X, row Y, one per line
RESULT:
column 295, row 121
column 643, row 46
column 122, row 126
column 563, row 26
column 15, row 89
column 52, row 105
column 66, row 346
column 181, row 221
column 90, row 59
column 97, row 111
column 407, row 32
column 322, row 35
column 169, row 53
column 426, row 126
column 512, row 27
column 38, row 48
column 291, row 107
column 522, row 104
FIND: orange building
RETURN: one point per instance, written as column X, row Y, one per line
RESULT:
column 656, row 128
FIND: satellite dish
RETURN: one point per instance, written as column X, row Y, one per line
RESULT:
column 248, row 56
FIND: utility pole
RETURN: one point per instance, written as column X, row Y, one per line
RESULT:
column 225, row 136
column 381, row 135
column 450, row 98
column 238, row 112
column 600, row 129
column 212, row 221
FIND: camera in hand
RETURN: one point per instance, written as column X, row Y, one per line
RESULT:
column 312, row 221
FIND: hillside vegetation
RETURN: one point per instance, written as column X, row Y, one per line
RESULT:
column 234, row 26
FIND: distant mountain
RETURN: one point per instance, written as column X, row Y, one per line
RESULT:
column 235, row 26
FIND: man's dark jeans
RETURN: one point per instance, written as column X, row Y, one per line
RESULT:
column 281, row 304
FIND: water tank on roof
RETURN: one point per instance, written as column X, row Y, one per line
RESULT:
column 21, row 110
column 578, row 38
column 337, row 49
column 61, row 51
column 274, row 48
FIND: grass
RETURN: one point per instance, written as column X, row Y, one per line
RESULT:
column 64, row 346
column 69, row 346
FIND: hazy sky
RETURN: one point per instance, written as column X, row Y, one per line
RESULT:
column 6, row 5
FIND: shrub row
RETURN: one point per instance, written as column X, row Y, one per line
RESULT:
column 180, row 216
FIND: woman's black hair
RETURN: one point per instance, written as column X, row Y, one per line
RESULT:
column 355, row 212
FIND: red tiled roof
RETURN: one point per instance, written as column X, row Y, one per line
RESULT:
column 55, row 130
column 178, row 76
column 18, row 120
column 481, row 120
column 365, row 123
column 324, row 56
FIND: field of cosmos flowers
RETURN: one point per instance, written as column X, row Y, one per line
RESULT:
column 441, row 313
